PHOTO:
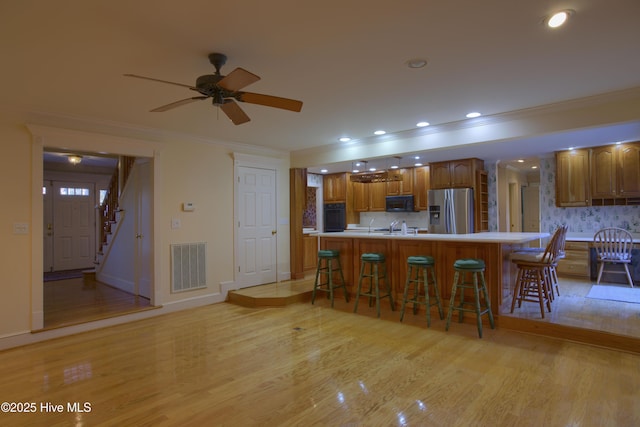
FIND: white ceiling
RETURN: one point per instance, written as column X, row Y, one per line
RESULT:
column 344, row 59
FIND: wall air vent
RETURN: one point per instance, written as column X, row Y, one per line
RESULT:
column 188, row 267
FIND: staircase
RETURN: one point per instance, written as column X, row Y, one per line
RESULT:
column 109, row 209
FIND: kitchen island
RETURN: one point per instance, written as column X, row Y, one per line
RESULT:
column 493, row 247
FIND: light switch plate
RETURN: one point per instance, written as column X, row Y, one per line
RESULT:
column 175, row 223
column 20, row 228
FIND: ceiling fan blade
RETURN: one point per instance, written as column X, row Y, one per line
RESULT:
column 270, row 101
column 158, row 80
column 178, row 104
column 234, row 112
column 237, row 79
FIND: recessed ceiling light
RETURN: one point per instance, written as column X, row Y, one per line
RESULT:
column 520, row 161
column 422, row 124
column 379, row 132
column 559, row 18
column 473, row 114
column 394, row 167
column 418, row 165
column 324, row 170
column 372, row 169
column 534, row 167
column 416, row 63
column 355, row 170
column 344, row 139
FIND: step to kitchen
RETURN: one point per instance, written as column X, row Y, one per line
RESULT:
column 273, row 294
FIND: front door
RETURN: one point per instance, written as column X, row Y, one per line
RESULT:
column 73, row 225
column 256, row 224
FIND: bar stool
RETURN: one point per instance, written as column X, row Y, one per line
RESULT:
column 375, row 262
column 475, row 267
column 418, row 269
column 328, row 258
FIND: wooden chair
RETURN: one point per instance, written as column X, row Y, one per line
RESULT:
column 613, row 246
column 552, row 267
column 535, row 278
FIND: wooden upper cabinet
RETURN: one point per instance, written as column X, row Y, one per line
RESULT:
column 370, row 197
column 404, row 187
column 377, row 197
column 603, row 172
column 615, row 171
column 440, row 175
column 420, row 188
column 455, row 174
column 572, row 178
column 628, row 169
column 335, row 188
column 360, row 197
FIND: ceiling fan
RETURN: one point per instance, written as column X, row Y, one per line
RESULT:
column 224, row 91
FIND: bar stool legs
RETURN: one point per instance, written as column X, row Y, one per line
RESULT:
column 375, row 262
column 329, row 257
column 475, row 267
column 418, row 270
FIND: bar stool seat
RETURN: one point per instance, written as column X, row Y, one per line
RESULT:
column 331, row 260
column 424, row 265
column 377, row 271
column 474, row 267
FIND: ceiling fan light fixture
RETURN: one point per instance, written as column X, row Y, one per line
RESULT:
column 74, row 159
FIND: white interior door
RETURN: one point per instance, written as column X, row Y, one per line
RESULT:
column 515, row 208
column 256, row 224
column 531, row 208
column 73, row 225
column 143, row 226
column 47, row 238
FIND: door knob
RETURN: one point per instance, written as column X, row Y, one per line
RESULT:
column 273, row 232
column 138, row 236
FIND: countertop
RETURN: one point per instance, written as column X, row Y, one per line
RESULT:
column 588, row 237
column 489, row 237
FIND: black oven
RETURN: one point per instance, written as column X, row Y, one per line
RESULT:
column 335, row 217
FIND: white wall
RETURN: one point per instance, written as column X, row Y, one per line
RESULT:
column 185, row 170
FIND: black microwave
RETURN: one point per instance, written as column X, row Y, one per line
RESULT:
column 399, row 204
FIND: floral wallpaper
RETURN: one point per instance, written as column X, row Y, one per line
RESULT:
column 493, row 202
column 309, row 216
column 580, row 220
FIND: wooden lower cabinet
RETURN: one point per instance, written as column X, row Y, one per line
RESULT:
column 310, row 252
column 576, row 260
column 499, row 273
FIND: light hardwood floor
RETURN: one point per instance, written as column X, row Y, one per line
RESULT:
column 72, row 301
column 306, row 364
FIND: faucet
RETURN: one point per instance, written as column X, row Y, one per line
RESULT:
column 393, row 224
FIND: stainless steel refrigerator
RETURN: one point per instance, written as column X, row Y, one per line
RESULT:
column 451, row 211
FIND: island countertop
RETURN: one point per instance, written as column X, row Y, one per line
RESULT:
column 485, row 237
